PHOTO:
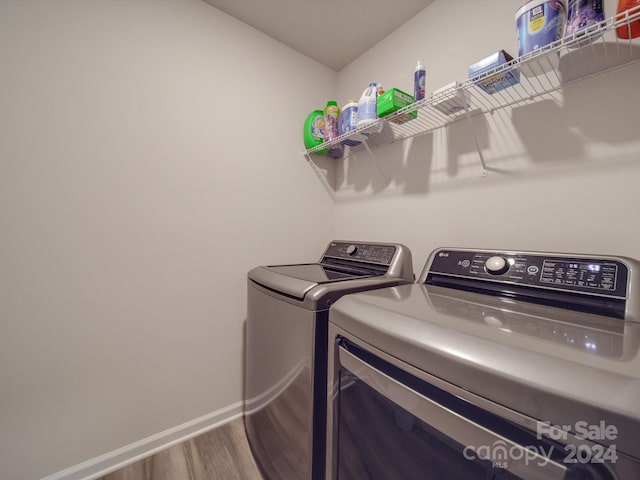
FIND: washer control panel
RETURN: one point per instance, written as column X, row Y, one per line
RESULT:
column 573, row 273
column 363, row 252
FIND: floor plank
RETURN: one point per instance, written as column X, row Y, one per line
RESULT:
column 221, row 454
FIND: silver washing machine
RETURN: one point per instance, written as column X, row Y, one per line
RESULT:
column 494, row 365
column 286, row 349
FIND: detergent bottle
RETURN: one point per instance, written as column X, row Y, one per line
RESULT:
column 580, row 16
column 349, row 121
column 367, row 105
column 331, row 118
column 631, row 30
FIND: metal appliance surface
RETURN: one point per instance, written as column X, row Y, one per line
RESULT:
column 286, row 349
column 495, row 364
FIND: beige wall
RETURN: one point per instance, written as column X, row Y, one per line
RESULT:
column 148, row 159
column 564, row 171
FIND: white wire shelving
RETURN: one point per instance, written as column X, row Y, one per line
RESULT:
column 592, row 51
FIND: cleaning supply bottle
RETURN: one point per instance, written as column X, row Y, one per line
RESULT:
column 631, row 30
column 367, row 105
column 331, row 120
column 348, row 117
column 580, row 16
column 419, row 82
column 349, row 121
column 313, row 133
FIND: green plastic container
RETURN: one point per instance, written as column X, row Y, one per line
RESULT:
column 314, row 131
column 392, row 101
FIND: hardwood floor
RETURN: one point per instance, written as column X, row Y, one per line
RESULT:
column 221, row 454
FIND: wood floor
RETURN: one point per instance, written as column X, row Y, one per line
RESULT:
column 221, row 454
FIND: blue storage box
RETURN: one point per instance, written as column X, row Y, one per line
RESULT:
column 499, row 81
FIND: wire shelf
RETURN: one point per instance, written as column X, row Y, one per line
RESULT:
column 588, row 52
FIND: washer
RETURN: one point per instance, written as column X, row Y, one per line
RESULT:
column 286, row 349
column 494, row 365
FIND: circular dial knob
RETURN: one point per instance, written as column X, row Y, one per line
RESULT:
column 496, row 265
column 352, row 250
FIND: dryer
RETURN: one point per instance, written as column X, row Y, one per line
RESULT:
column 494, row 365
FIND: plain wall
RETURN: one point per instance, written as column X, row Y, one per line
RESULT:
column 149, row 157
column 563, row 169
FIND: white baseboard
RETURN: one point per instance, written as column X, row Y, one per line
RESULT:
column 121, row 457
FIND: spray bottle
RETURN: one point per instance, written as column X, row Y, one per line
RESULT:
column 419, row 82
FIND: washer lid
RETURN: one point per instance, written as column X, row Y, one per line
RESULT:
column 296, row 280
column 321, row 273
column 548, row 363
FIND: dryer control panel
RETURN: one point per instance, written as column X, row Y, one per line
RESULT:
column 572, row 273
column 586, row 283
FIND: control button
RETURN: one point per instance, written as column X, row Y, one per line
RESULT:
column 352, row 250
column 532, row 269
column 496, row 265
column 465, row 263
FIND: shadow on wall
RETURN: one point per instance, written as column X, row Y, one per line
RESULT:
column 606, row 111
column 460, row 142
column 409, row 171
column 372, row 173
column 594, row 58
column 590, row 111
column 594, row 111
column 409, row 164
column 418, row 153
column 545, row 132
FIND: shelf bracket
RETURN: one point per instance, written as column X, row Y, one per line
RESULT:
column 373, row 157
column 467, row 112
